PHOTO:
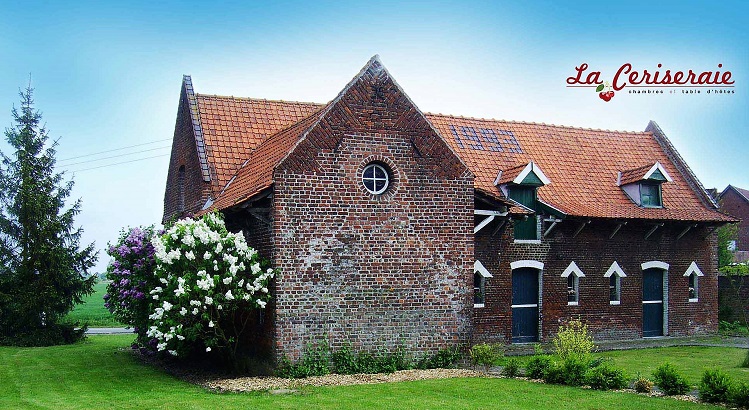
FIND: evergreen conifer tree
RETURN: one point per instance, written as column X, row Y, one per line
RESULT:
column 43, row 268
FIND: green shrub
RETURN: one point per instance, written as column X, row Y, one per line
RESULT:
column 570, row 371
column 485, row 354
column 745, row 363
column 512, row 368
column 738, row 395
column 573, row 339
column 314, row 362
column 668, row 379
column 714, row 386
column 606, row 377
column 344, row 361
column 537, row 366
column 443, row 359
column 554, row 373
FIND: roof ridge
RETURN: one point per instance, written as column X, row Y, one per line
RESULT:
column 741, row 191
column 670, row 150
column 231, row 97
column 533, row 123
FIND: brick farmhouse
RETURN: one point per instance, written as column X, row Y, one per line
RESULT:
column 392, row 226
column 735, row 202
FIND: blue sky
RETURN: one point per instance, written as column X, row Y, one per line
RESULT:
column 107, row 75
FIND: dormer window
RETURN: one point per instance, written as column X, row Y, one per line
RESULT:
column 650, row 195
column 521, row 184
column 643, row 185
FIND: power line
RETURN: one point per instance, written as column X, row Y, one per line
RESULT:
column 117, row 163
column 113, row 156
column 112, row 150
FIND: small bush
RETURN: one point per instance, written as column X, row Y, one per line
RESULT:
column 344, row 361
column 485, row 354
column 606, row 377
column 570, row 371
column 714, row 386
column 668, row 379
column 554, row 373
column 642, row 385
column 512, row 368
column 537, row 366
column 573, row 340
column 738, row 395
column 314, row 362
column 443, row 359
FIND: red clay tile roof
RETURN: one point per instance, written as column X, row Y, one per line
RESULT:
column 233, row 127
column 508, row 175
column 634, row 175
column 582, row 164
column 256, row 174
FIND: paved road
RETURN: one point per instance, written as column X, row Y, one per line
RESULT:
column 108, row 330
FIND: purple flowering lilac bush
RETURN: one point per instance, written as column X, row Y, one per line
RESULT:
column 131, row 275
column 209, row 285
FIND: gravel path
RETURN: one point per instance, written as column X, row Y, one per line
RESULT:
column 281, row 385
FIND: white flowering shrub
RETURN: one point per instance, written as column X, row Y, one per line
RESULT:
column 209, row 281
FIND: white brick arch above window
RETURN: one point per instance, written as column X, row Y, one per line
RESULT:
column 615, row 269
column 573, row 269
column 527, row 264
column 655, row 264
column 694, row 269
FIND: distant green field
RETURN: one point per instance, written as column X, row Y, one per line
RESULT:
column 92, row 310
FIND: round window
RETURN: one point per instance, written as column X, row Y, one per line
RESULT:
column 375, row 178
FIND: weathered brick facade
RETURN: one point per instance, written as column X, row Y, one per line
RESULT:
column 397, row 268
column 186, row 188
column 594, row 252
column 372, row 270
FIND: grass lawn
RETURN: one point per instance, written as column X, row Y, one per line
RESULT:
column 99, row 374
column 92, row 310
column 690, row 361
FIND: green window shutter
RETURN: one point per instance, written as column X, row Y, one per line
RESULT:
column 527, row 196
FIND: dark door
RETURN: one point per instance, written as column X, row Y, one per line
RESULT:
column 652, row 302
column 524, row 305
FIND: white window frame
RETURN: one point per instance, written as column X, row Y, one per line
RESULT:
column 479, row 269
column 693, row 271
column 615, row 270
column 375, row 179
column 576, row 273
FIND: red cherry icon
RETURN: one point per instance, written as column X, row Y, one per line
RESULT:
column 610, row 94
column 605, row 96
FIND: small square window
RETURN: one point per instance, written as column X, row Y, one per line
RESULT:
column 573, row 287
column 650, row 195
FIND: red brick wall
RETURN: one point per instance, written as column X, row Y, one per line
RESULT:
column 184, row 153
column 594, row 252
column 733, row 296
column 373, row 271
column 736, row 206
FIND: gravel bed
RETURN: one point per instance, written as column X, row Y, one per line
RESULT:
column 282, row 385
